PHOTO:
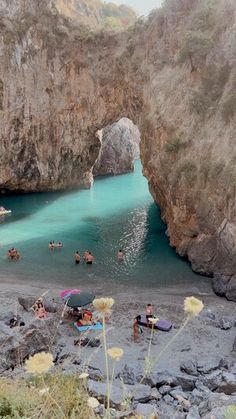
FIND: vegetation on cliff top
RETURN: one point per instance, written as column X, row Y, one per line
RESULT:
column 95, row 13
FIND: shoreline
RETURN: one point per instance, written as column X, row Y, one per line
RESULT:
column 203, row 336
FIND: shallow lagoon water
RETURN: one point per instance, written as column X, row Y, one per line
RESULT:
column 118, row 212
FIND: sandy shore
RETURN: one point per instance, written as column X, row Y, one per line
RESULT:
column 201, row 340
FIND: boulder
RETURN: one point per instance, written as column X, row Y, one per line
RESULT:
column 99, row 390
column 28, row 302
column 213, row 380
column 228, row 383
column 168, row 399
column 193, row 413
column 155, row 395
column 163, row 390
column 139, row 392
column 234, row 345
column 163, row 378
column 146, row 411
column 189, row 367
column 176, row 392
column 214, row 401
column 225, row 323
column 187, row 382
column 131, row 374
column 26, row 341
column 208, row 367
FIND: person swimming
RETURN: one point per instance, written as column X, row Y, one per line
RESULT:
column 13, row 254
column 120, row 255
column 77, row 257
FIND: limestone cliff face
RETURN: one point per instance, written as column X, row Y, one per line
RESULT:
column 58, row 86
column 189, row 149
column 119, row 148
column 173, row 75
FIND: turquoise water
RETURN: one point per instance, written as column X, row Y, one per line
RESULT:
column 118, row 212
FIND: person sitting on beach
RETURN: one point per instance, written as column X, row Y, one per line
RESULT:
column 13, row 322
column 39, row 310
column 77, row 257
column 87, row 318
column 89, row 258
column 120, row 255
column 149, row 312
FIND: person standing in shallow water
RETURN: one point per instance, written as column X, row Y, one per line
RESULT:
column 77, row 257
column 89, row 258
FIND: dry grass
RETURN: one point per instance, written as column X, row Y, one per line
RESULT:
column 55, row 396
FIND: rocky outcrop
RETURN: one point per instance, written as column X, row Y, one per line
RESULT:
column 173, row 75
column 119, row 148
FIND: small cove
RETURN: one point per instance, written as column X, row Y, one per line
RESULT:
column 118, row 212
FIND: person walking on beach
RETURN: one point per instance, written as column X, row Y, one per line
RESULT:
column 77, row 257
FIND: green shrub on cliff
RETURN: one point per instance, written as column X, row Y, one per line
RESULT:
column 196, row 46
column 174, row 145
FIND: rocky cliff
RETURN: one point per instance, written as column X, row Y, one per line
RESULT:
column 119, row 148
column 173, row 75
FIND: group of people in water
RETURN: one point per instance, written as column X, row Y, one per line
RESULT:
column 53, row 245
column 13, row 254
column 88, row 257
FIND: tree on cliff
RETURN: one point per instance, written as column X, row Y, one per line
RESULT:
column 196, row 46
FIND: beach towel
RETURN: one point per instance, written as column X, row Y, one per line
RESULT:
column 163, row 325
column 97, row 326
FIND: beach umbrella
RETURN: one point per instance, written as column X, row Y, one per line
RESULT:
column 66, row 293
column 80, row 299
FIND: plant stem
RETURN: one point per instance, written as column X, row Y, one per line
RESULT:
column 53, row 400
column 149, row 346
column 107, row 368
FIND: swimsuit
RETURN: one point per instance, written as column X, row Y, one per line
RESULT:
column 89, row 262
